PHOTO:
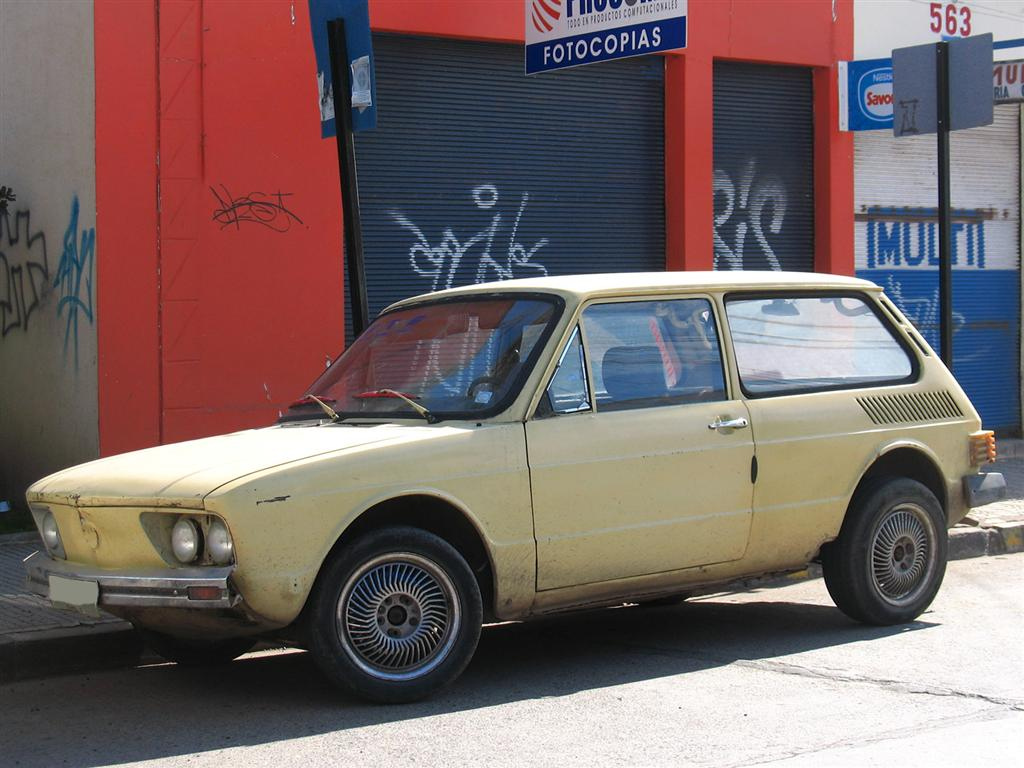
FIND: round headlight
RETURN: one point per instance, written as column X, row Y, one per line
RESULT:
column 185, row 540
column 218, row 543
column 51, row 535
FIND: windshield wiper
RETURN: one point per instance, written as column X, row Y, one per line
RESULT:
column 331, row 413
column 421, row 410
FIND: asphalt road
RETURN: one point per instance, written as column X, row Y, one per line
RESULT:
column 774, row 677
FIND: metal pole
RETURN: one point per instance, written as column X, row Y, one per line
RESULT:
column 354, row 262
column 945, row 231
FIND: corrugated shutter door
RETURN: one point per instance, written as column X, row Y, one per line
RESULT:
column 897, row 247
column 764, row 167
column 478, row 173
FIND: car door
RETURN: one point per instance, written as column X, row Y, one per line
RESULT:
column 639, row 460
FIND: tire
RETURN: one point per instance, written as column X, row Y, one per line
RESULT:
column 395, row 616
column 888, row 562
column 196, row 653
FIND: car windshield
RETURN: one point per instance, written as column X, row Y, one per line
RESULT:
column 462, row 358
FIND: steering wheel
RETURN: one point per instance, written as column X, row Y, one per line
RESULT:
column 478, row 381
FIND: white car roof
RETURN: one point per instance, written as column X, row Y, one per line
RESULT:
column 581, row 287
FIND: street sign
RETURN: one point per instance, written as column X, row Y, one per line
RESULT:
column 1008, row 82
column 940, row 88
column 916, row 88
column 356, row 16
column 568, row 33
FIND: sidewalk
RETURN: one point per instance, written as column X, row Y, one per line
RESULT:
column 37, row 640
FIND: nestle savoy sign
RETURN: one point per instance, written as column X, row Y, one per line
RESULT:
column 568, row 33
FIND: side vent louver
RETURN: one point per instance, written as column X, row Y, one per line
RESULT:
column 910, row 407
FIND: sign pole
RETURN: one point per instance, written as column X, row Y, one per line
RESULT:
column 945, row 229
column 354, row 261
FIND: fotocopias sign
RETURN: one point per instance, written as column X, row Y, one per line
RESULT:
column 568, row 33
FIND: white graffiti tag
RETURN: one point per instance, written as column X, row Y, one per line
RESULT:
column 749, row 203
column 440, row 263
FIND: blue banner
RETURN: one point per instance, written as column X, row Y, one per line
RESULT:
column 623, row 42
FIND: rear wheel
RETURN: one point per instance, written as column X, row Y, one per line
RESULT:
column 889, row 560
column 196, row 653
column 396, row 615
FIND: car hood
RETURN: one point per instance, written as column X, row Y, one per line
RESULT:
column 182, row 474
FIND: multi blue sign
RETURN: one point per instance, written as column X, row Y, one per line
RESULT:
column 568, row 33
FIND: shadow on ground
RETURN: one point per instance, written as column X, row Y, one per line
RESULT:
column 166, row 711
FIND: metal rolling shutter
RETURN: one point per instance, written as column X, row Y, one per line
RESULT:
column 896, row 247
column 764, row 167
column 476, row 172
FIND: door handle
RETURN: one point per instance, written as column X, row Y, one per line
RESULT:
column 720, row 423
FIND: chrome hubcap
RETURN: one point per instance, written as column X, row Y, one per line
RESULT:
column 902, row 553
column 398, row 616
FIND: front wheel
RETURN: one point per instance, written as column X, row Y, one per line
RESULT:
column 888, row 562
column 396, row 616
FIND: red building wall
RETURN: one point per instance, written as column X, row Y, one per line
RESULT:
column 206, row 111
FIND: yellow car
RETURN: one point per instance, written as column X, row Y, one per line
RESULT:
column 509, row 450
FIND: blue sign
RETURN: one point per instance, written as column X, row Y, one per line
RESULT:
column 867, row 85
column 356, row 15
column 568, row 33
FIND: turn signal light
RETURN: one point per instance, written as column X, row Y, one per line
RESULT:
column 983, row 447
column 205, row 593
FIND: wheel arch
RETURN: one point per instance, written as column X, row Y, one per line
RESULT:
column 436, row 514
column 903, row 459
column 911, row 460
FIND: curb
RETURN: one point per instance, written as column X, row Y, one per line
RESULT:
column 967, row 541
column 48, row 652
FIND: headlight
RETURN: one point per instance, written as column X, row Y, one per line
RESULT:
column 51, row 535
column 218, row 543
column 185, row 540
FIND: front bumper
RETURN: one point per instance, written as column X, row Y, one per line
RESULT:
column 144, row 588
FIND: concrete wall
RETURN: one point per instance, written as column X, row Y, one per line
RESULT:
column 48, row 251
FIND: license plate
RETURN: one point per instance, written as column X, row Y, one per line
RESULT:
column 75, row 593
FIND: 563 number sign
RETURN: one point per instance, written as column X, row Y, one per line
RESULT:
column 950, row 19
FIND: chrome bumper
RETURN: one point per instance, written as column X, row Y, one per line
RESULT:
column 156, row 588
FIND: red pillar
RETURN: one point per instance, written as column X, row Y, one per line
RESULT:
column 127, row 272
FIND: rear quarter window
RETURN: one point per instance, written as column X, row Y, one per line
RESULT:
column 800, row 343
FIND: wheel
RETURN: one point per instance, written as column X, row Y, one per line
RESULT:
column 888, row 562
column 196, row 653
column 396, row 616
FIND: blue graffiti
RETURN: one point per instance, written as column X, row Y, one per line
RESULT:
column 76, row 265
column 898, row 237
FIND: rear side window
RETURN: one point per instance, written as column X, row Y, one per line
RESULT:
column 650, row 353
column 805, row 343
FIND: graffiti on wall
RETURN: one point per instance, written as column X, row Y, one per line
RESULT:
column 24, row 271
column 73, row 280
column 268, row 210
column 26, row 282
column 441, row 262
column 752, row 206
